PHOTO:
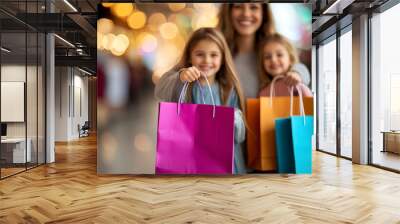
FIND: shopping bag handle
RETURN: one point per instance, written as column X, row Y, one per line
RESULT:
column 302, row 113
column 185, row 88
column 272, row 94
column 272, row 89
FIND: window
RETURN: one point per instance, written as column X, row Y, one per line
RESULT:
column 327, row 96
column 346, row 94
column 385, row 87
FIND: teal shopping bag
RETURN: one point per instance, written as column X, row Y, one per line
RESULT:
column 293, row 139
column 294, row 144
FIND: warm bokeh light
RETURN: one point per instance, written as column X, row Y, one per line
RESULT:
column 205, row 15
column 203, row 6
column 149, row 43
column 122, row 9
column 137, row 20
column 168, row 30
column 155, row 21
column 100, row 41
column 204, row 21
column 107, row 41
column 107, row 5
column 119, row 44
column 117, row 53
column 124, row 39
column 175, row 7
column 105, row 25
column 138, row 40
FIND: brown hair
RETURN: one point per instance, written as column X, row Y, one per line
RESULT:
column 264, row 77
column 225, row 25
column 226, row 76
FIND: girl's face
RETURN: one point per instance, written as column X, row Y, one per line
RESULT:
column 247, row 18
column 276, row 59
column 206, row 56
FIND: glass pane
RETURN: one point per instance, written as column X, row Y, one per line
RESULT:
column 13, row 87
column 346, row 94
column 386, row 89
column 41, row 99
column 31, row 97
column 327, row 97
column 21, row 66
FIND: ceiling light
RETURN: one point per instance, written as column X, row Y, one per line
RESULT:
column 84, row 71
column 326, row 11
column 337, row 7
column 5, row 49
column 70, row 5
column 65, row 41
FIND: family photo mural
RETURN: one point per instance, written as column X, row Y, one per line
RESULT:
column 204, row 88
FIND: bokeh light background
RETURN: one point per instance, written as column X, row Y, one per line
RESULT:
column 137, row 44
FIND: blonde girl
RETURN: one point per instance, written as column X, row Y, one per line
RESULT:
column 276, row 58
column 207, row 56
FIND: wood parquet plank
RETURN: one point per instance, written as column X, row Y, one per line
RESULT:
column 70, row 191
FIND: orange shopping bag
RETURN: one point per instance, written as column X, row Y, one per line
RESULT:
column 279, row 108
column 253, row 133
column 261, row 114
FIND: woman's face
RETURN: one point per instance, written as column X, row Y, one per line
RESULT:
column 276, row 59
column 247, row 18
column 206, row 56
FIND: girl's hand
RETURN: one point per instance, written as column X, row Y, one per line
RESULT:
column 189, row 74
column 292, row 78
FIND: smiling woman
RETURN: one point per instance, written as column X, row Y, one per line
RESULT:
column 247, row 18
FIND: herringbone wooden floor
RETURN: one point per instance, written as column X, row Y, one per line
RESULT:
column 69, row 191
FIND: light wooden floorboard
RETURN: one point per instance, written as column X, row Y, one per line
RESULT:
column 69, row 191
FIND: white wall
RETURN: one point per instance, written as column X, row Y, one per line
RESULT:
column 13, row 73
column 71, row 92
column 61, row 103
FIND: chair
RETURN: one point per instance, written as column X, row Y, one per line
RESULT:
column 84, row 130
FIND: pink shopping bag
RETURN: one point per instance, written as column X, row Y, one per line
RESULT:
column 194, row 139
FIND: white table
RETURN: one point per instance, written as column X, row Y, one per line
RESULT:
column 19, row 149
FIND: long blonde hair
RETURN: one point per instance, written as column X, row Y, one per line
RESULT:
column 264, row 77
column 225, row 25
column 226, row 76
